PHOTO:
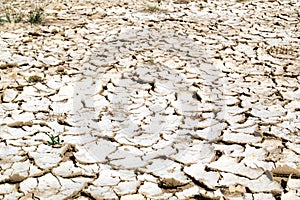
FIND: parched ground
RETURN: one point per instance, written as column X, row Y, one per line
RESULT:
column 145, row 100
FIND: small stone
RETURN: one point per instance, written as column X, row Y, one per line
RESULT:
column 60, row 69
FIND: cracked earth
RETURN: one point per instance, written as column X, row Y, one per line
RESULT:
column 171, row 100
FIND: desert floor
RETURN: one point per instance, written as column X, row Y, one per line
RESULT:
column 146, row 100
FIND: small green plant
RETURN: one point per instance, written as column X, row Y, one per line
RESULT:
column 152, row 9
column 54, row 140
column 151, row 62
column 35, row 79
column 18, row 17
column 35, row 16
column 7, row 16
column 13, row 16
